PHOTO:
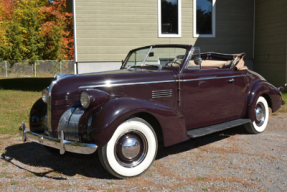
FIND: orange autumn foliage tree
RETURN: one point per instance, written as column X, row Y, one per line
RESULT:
column 6, row 9
column 35, row 30
column 23, row 37
column 58, row 31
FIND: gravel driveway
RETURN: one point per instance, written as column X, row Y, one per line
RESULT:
column 232, row 160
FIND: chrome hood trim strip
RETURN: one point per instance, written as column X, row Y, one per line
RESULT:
column 108, row 84
column 208, row 78
column 123, row 84
column 61, row 76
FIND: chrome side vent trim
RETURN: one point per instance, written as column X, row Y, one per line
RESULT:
column 161, row 93
column 63, row 124
column 69, row 123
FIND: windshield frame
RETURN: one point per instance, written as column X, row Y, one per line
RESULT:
column 187, row 47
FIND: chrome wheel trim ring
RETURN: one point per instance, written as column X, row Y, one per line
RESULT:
column 131, row 159
column 260, row 114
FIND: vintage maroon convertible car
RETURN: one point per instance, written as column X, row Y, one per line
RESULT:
column 168, row 92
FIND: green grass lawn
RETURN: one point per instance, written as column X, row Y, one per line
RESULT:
column 284, row 96
column 14, row 108
column 283, row 108
column 17, row 96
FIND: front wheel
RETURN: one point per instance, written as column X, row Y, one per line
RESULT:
column 261, row 117
column 131, row 150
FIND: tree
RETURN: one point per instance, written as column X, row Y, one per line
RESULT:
column 24, row 40
column 6, row 10
column 35, row 30
column 58, row 31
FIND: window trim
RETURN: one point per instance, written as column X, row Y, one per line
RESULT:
column 213, row 20
column 179, row 21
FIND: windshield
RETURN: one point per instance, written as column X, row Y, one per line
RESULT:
column 158, row 56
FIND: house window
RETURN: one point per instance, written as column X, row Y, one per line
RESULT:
column 204, row 18
column 169, row 18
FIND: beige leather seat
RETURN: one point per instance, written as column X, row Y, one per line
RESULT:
column 211, row 63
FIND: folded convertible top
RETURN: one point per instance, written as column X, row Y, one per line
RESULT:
column 220, row 56
column 237, row 59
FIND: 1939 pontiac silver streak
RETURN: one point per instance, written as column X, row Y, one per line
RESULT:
column 168, row 92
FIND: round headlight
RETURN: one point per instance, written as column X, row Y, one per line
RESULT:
column 45, row 95
column 85, row 99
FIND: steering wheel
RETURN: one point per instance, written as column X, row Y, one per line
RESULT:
column 170, row 63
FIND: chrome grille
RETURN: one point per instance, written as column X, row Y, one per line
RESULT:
column 49, row 112
column 161, row 93
column 59, row 108
column 56, row 106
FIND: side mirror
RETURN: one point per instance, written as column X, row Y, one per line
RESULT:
column 197, row 60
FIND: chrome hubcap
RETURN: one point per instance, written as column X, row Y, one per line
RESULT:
column 131, row 148
column 260, row 114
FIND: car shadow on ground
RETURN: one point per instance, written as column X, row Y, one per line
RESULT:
column 199, row 142
column 25, row 84
column 71, row 164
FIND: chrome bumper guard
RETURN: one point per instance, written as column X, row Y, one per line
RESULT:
column 61, row 144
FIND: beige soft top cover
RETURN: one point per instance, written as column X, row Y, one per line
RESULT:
column 220, row 60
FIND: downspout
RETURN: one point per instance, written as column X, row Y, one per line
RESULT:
column 286, row 55
column 75, row 38
column 286, row 48
column 254, row 32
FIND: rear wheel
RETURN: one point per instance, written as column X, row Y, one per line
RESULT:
column 131, row 150
column 261, row 117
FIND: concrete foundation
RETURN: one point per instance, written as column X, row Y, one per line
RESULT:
column 98, row 66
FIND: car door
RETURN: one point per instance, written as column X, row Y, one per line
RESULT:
column 207, row 96
column 240, row 92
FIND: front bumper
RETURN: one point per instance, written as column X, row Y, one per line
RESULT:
column 61, row 144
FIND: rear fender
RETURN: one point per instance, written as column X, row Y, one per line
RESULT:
column 116, row 111
column 267, row 90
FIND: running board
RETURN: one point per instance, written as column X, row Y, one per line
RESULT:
column 198, row 132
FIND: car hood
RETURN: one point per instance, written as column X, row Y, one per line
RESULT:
column 75, row 84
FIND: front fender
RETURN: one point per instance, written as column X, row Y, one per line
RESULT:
column 264, row 88
column 37, row 116
column 116, row 111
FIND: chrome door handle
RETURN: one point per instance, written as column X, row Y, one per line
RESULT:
column 230, row 80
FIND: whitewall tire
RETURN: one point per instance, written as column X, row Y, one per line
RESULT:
column 131, row 150
column 261, row 111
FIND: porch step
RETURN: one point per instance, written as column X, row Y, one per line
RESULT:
column 199, row 132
